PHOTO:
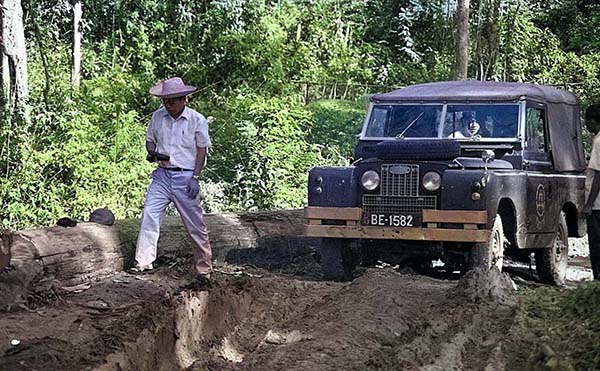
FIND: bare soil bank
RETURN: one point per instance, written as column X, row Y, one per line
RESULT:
column 269, row 310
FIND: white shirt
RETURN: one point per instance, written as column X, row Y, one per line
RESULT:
column 178, row 138
column 594, row 164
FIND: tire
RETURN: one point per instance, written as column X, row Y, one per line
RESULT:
column 485, row 255
column 368, row 252
column 403, row 149
column 551, row 262
column 336, row 259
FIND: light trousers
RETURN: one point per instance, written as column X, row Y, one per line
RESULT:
column 166, row 187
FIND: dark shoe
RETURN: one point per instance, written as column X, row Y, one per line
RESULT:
column 141, row 269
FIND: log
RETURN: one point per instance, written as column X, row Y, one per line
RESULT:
column 90, row 251
column 5, row 242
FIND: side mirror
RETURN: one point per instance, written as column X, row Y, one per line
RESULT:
column 488, row 156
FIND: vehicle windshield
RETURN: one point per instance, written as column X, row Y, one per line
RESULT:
column 458, row 121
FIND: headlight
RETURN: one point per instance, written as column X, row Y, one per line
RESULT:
column 432, row 181
column 370, row 180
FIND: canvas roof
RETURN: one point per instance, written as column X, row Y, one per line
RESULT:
column 562, row 107
column 472, row 90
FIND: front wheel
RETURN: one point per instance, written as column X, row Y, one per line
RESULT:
column 336, row 259
column 551, row 263
column 485, row 255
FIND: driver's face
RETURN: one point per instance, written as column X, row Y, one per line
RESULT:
column 473, row 127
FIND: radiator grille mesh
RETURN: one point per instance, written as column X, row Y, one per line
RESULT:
column 394, row 184
column 398, row 204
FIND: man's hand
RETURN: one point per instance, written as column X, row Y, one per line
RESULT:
column 193, row 188
column 155, row 157
column 151, row 156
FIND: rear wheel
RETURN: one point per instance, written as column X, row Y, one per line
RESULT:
column 485, row 255
column 336, row 259
column 551, row 263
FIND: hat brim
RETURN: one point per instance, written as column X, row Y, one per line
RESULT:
column 156, row 90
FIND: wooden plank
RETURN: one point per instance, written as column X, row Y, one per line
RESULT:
column 455, row 216
column 333, row 213
column 417, row 234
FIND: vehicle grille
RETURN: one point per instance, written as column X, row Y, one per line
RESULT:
column 398, row 204
column 399, row 193
column 399, row 185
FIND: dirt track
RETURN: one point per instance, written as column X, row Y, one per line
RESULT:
column 278, row 316
column 381, row 320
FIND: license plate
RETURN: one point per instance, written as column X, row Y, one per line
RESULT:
column 392, row 220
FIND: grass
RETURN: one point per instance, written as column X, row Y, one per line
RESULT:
column 567, row 323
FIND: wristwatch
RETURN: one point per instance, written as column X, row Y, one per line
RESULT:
column 196, row 176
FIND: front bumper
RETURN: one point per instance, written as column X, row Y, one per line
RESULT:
column 348, row 225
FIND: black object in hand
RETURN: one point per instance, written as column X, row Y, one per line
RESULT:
column 155, row 157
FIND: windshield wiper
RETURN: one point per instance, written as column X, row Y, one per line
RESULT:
column 401, row 135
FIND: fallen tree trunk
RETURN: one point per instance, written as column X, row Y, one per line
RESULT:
column 90, row 251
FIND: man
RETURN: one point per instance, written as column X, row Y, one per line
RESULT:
column 182, row 134
column 468, row 127
column 592, row 186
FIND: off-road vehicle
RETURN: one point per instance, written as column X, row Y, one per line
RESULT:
column 465, row 172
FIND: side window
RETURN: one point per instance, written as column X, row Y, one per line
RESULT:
column 536, row 118
column 377, row 122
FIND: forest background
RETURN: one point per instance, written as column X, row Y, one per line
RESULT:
column 284, row 83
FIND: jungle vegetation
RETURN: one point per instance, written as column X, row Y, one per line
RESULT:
column 285, row 84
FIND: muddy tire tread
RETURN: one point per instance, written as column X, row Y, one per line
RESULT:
column 480, row 256
column 547, row 269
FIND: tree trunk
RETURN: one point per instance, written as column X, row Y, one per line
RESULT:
column 14, row 53
column 40, row 42
column 6, row 81
column 76, row 57
column 461, row 50
column 90, row 251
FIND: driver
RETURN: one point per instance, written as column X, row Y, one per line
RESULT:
column 468, row 127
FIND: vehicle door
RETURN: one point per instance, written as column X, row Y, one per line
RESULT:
column 541, row 210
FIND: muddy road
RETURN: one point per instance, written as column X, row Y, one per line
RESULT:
column 269, row 310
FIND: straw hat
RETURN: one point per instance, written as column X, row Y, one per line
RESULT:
column 172, row 88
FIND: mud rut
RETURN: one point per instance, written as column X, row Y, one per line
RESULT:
column 279, row 317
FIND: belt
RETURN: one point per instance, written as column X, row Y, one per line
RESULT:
column 176, row 169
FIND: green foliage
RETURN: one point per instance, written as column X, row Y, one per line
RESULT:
column 84, row 147
column 267, row 166
column 574, row 22
column 560, row 316
column 336, row 124
column 92, row 157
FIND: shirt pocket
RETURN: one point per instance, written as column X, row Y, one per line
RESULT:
column 187, row 138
